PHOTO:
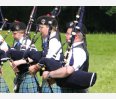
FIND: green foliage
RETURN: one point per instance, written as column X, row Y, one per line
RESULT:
column 96, row 18
column 109, row 10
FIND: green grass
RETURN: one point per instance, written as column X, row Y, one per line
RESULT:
column 102, row 53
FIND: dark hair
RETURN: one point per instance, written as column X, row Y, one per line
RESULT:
column 17, row 26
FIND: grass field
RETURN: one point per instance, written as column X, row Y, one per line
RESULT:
column 102, row 51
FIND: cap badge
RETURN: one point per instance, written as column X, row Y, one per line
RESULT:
column 43, row 21
column 17, row 27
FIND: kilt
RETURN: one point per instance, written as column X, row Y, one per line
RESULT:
column 28, row 84
column 3, row 86
column 46, row 88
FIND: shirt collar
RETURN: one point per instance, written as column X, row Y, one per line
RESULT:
column 52, row 34
column 77, row 43
column 21, row 40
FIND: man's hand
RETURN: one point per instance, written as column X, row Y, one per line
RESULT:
column 33, row 69
column 45, row 75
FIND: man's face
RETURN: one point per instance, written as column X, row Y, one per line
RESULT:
column 17, row 35
column 68, row 34
column 44, row 30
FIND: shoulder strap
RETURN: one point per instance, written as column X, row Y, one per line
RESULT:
column 72, row 57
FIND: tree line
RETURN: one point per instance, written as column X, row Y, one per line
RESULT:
column 96, row 18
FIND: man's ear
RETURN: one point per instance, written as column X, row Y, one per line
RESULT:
column 76, row 36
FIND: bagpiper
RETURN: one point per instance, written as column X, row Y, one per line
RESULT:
column 24, row 81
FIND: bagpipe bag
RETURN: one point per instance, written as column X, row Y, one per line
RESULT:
column 78, row 79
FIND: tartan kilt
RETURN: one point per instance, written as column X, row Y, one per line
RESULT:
column 46, row 88
column 28, row 84
column 3, row 86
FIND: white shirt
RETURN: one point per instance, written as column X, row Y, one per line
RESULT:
column 22, row 41
column 79, row 56
column 4, row 45
column 54, row 46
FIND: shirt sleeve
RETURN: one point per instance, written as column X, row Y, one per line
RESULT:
column 79, row 58
column 54, row 45
column 4, row 46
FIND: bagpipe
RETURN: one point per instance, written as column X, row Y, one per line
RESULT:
column 14, row 54
column 20, row 53
column 53, row 25
column 79, row 79
column 4, row 56
column 37, row 55
column 30, row 22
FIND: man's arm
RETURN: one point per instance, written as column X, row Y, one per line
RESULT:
column 33, row 69
column 59, row 73
column 22, row 61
